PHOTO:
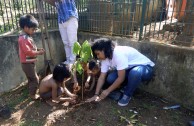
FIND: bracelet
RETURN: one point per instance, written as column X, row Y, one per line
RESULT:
column 96, row 94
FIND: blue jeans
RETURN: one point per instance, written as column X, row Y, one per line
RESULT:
column 133, row 78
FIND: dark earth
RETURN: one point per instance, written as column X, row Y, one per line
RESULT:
column 144, row 109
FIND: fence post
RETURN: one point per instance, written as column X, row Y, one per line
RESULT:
column 142, row 19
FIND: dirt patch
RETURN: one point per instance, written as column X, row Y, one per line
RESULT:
column 144, row 109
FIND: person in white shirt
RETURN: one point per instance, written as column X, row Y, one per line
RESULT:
column 119, row 64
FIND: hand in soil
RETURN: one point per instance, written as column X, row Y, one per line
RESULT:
column 87, row 85
column 76, row 89
column 94, row 98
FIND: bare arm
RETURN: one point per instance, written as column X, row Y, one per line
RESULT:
column 54, row 93
column 75, row 80
column 93, row 83
column 51, row 2
column 69, row 93
column 56, row 98
column 87, row 81
column 100, row 83
column 116, row 84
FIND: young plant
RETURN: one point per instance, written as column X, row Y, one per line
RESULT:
column 84, row 54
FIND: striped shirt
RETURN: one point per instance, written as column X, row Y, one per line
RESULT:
column 66, row 9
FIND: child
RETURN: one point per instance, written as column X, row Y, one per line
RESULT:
column 93, row 71
column 28, row 52
column 52, row 87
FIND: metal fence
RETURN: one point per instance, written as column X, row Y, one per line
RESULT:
column 165, row 20
column 12, row 10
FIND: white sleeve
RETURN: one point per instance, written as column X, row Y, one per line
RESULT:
column 104, row 66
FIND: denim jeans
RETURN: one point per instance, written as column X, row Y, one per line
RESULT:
column 133, row 78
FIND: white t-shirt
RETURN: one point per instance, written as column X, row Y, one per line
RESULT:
column 124, row 57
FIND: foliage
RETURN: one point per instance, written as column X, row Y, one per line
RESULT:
column 84, row 54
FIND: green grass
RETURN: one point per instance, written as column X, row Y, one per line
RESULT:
column 12, row 103
column 30, row 123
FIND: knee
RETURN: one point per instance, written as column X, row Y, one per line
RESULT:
column 110, row 79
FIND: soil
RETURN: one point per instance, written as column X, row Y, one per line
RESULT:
column 144, row 109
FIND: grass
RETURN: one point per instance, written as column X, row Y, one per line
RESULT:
column 30, row 123
column 18, row 99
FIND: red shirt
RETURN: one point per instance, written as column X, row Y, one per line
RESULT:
column 27, row 49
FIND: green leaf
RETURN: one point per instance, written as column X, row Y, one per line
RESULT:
column 86, row 52
column 79, row 68
column 76, row 48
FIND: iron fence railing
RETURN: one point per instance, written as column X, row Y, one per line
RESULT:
column 165, row 20
column 11, row 11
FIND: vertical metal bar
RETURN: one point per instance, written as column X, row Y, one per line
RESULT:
column 155, row 24
column 160, row 18
column 33, row 6
column 10, row 8
column 148, row 6
column 26, row 6
column 15, row 16
column 1, row 4
column 29, row 3
column 140, row 1
column 7, row 17
column 142, row 19
column 52, row 18
column 151, row 19
column 21, row 3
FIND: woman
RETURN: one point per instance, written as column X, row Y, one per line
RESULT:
column 119, row 64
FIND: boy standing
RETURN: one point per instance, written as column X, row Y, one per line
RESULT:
column 28, row 52
column 52, row 87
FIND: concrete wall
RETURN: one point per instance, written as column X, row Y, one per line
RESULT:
column 174, row 70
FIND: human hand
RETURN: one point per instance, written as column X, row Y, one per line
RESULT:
column 72, row 100
column 87, row 85
column 41, row 51
column 94, row 98
column 75, row 85
column 76, row 89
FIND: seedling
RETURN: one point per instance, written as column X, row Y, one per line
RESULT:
column 84, row 54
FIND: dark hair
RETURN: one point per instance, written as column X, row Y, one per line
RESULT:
column 61, row 71
column 92, row 64
column 28, row 21
column 103, row 44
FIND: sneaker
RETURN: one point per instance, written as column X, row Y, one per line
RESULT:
column 115, row 95
column 124, row 101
